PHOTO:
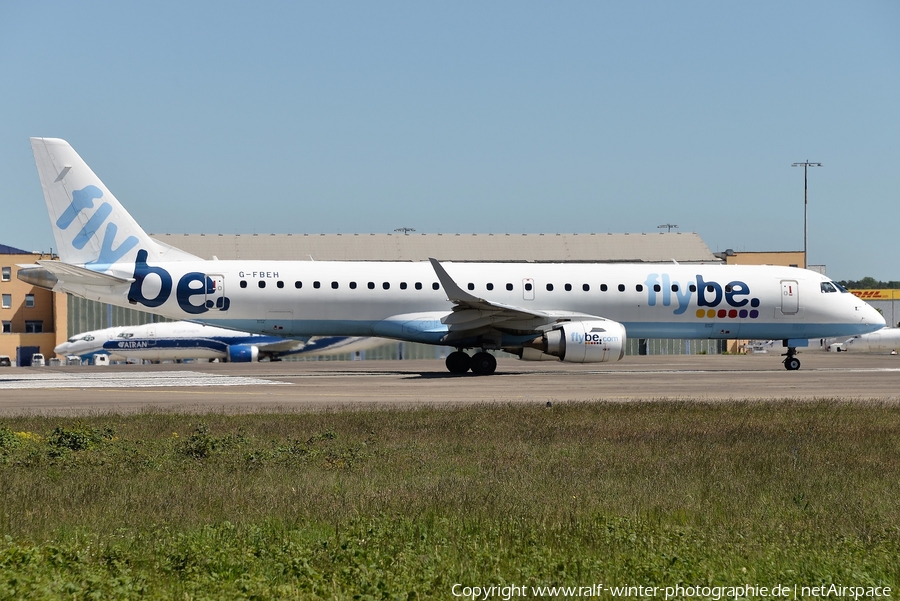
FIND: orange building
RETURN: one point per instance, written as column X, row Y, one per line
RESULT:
column 30, row 316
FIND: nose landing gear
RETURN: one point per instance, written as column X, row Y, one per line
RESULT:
column 791, row 363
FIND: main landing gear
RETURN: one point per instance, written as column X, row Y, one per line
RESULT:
column 481, row 363
column 791, row 363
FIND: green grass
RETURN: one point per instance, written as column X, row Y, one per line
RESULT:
column 400, row 504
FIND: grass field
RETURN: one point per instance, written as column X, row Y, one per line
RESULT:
column 403, row 504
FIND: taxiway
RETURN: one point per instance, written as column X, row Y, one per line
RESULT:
column 299, row 386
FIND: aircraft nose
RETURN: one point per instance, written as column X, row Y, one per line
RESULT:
column 871, row 316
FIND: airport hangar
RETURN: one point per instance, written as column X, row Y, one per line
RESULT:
column 38, row 318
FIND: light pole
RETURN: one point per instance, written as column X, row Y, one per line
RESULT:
column 805, row 164
column 668, row 227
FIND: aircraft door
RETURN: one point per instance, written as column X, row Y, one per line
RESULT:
column 790, row 297
column 528, row 288
column 215, row 292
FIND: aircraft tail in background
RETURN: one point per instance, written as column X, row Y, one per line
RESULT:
column 90, row 226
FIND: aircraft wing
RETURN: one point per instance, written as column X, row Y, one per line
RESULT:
column 473, row 315
column 320, row 345
column 282, row 347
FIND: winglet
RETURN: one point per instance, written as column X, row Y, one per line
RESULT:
column 454, row 292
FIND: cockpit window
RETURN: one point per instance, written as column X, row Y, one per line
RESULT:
column 827, row 287
column 841, row 288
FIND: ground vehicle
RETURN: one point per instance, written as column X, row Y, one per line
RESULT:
column 4, row 361
column 37, row 360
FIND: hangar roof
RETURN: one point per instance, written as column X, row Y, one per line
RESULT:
column 542, row 248
column 11, row 250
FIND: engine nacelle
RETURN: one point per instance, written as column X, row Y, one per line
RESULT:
column 243, row 353
column 580, row 342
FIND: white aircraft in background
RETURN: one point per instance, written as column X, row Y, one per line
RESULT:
column 885, row 340
column 180, row 340
column 578, row 313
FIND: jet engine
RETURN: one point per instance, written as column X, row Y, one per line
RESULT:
column 579, row 342
column 243, row 353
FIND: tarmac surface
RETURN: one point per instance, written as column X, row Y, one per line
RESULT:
column 310, row 385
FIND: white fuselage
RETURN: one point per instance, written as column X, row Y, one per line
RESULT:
column 405, row 300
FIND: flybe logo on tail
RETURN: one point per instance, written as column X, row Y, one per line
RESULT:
column 81, row 201
column 708, row 295
column 191, row 284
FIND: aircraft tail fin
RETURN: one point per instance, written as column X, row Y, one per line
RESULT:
column 90, row 226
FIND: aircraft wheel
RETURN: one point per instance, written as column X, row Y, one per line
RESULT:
column 483, row 364
column 792, row 364
column 458, row 362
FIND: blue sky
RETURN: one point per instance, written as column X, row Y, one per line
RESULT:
column 227, row 117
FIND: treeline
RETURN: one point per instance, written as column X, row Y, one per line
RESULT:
column 868, row 283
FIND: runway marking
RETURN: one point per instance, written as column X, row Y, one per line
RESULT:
column 127, row 380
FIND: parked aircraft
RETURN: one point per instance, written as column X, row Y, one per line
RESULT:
column 179, row 340
column 573, row 312
column 885, row 340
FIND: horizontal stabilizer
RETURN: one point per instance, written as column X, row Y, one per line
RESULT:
column 72, row 274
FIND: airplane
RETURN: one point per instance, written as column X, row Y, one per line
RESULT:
column 572, row 312
column 179, row 340
column 885, row 340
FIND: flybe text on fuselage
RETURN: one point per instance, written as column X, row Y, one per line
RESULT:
column 663, row 290
column 190, row 285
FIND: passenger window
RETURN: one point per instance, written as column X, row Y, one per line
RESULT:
column 489, row 286
column 528, row 286
column 317, row 284
column 710, row 288
column 280, row 284
column 509, row 287
column 471, row 286
column 386, row 285
column 656, row 288
column 262, row 283
column 243, row 283
column 418, row 285
column 549, row 287
column 436, row 286
column 371, row 285
column 298, row 285
column 402, row 285
column 586, row 287
column 692, row 288
column 603, row 287
column 621, row 287
column 674, row 287
column 728, row 288
column 568, row 287
column 334, row 285
column 352, row 285
column 639, row 288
